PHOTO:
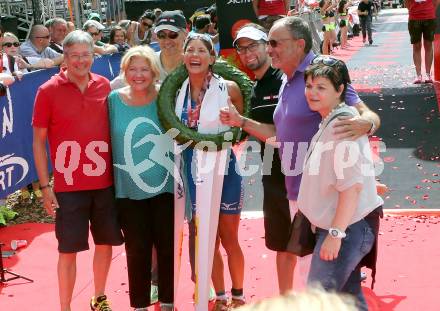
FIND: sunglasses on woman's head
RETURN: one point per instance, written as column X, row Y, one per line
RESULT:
column 326, row 60
column 9, row 44
column 170, row 35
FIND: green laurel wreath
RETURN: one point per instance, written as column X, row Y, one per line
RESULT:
column 167, row 101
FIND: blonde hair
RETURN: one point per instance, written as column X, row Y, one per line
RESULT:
column 10, row 35
column 141, row 51
column 313, row 299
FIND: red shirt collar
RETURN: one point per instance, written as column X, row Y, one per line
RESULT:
column 63, row 79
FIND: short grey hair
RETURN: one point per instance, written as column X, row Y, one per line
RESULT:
column 58, row 20
column 78, row 37
column 298, row 29
column 54, row 21
column 92, row 23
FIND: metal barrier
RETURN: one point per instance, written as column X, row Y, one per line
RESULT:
column 315, row 24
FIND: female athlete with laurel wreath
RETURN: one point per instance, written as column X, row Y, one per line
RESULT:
column 198, row 104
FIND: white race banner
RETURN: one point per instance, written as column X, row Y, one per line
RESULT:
column 209, row 185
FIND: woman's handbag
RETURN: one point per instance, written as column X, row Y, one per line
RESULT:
column 302, row 239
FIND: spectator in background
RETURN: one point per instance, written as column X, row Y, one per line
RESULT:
column 5, row 79
column 203, row 25
column 118, row 37
column 171, row 33
column 114, row 7
column 343, row 21
column 85, row 200
column 422, row 23
column 141, row 32
column 365, row 12
column 268, row 11
column 128, row 26
column 37, row 46
column 94, row 17
column 94, row 29
column 70, row 27
column 57, row 30
column 10, row 51
column 326, row 8
column 157, row 12
column 14, row 63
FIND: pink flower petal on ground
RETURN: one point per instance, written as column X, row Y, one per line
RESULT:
column 389, row 159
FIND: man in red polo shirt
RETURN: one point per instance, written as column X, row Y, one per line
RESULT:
column 268, row 11
column 421, row 21
column 71, row 114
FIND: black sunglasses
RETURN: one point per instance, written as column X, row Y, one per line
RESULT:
column 9, row 44
column 326, row 60
column 148, row 25
column 251, row 48
column 170, row 35
column 274, row 43
column 43, row 37
column 94, row 33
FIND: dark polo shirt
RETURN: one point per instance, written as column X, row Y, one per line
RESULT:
column 263, row 102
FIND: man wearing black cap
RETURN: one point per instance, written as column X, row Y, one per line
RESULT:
column 250, row 44
column 171, row 33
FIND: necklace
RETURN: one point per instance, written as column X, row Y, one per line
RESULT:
column 331, row 113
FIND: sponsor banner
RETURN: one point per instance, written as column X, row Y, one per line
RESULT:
column 16, row 158
column 232, row 14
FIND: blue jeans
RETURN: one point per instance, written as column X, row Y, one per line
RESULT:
column 343, row 273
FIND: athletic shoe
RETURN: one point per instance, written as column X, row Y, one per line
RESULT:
column 221, row 305
column 38, row 196
column 236, row 303
column 154, row 294
column 418, row 80
column 212, row 294
column 428, row 78
column 370, row 42
column 100, row 303
column 25, row 195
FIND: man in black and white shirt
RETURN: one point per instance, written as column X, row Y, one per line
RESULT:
column 250, row 44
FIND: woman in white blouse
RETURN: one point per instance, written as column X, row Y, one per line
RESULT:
column 338, row 188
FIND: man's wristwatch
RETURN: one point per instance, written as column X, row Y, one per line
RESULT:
column 336, row 233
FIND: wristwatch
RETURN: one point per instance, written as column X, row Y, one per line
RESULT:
column 336, row 233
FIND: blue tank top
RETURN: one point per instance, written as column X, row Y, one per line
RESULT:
column 142, row 153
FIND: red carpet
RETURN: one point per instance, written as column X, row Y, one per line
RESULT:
column 407, row 277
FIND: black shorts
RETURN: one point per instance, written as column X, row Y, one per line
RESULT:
column 80, row 210
column 417, row 28
column 276, row 212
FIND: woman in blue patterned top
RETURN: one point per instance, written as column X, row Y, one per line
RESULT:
column 143, row 162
